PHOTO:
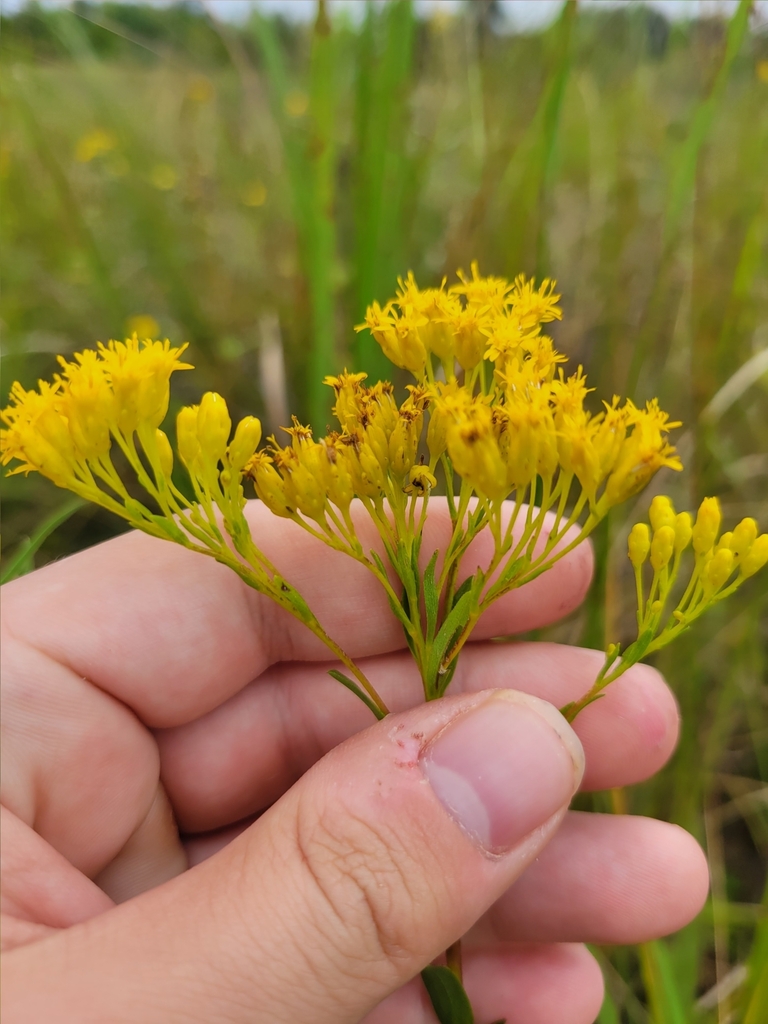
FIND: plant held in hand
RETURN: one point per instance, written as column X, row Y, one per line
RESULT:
column 491, row 419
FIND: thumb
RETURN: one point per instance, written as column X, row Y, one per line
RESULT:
column 381, row 856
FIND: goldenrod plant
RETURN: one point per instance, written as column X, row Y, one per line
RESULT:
column 491, row 419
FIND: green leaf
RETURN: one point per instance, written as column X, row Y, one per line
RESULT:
column 455, row 621
column 462, row 590
column 662, row 987
column 449, row 1000
column 396, row 607
column 509, row 572
column 357, row 690
column 23, row 559
column 636, row 650
column 431, row 596
column 170, row 528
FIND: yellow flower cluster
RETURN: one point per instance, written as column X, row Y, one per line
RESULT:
column 490, row 405
column 721, row 564
column 65, row 429
column 504, row 413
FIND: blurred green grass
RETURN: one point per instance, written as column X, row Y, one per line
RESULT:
column 250, row 189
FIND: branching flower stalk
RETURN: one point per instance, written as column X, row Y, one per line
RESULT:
column 491, row 419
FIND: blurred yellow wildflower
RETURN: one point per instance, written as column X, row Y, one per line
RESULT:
column 93, row 144
column 143, row 325
column 254, row 193
column 164, row 177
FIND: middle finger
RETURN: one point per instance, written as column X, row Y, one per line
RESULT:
column 242, row 756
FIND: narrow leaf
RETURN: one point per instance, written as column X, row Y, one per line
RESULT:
column 431, row 596
column 357, row 690
column 446, row 993
column 462, row 590
column 456, row 620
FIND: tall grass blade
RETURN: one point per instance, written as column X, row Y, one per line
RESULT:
column 23, row 559
column 384, row 65
column 664, row 998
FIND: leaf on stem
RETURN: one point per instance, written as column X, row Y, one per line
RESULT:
column 358, row 692
column 431, row 596
column 446, row 993
column 455, row 621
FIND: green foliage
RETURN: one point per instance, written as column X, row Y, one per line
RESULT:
column 278, row 174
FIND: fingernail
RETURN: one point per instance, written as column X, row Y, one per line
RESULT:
column 504, row 768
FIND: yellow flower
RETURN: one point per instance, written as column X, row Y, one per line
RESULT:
column 88, row 403
column 643, row 452
column 349, row 391
column 139, row 373
column 38, row 436
column 531, row 439
column 534, row 306
column 143, row 325
column 475, row 452
column 420, row 481
column 254, row 194
column 482, row 292
column 468, row 327
column 404, row 442
column 269, row 485
column 341, row 488
column 164, row 177
column 567, row 395
column 93, row 144
column 398, row 335
column 437, row 307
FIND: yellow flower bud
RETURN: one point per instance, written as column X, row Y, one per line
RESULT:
column 164, row 452
column 707, row 524
column 404, row 443
column 724, row 542
column 662, row 512
column 756, row 557
column 341, row 489
column 639, row 544
column 269, row 485
column 662, row 547
column 683, row 531
column 437, row 429
column 245, row 442
column 308, row 491
column 186, row 436
column 744, row 535
column 369, row 479
column 475, row 452
column 213, row 426
column 717, row 570
column 377, row 439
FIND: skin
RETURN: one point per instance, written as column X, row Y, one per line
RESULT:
column 200, row 825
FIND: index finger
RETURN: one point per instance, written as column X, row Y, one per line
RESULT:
column 173, row 634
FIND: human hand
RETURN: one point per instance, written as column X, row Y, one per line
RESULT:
column 147, row 690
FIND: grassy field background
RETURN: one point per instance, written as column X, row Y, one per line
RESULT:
column 250, row 189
